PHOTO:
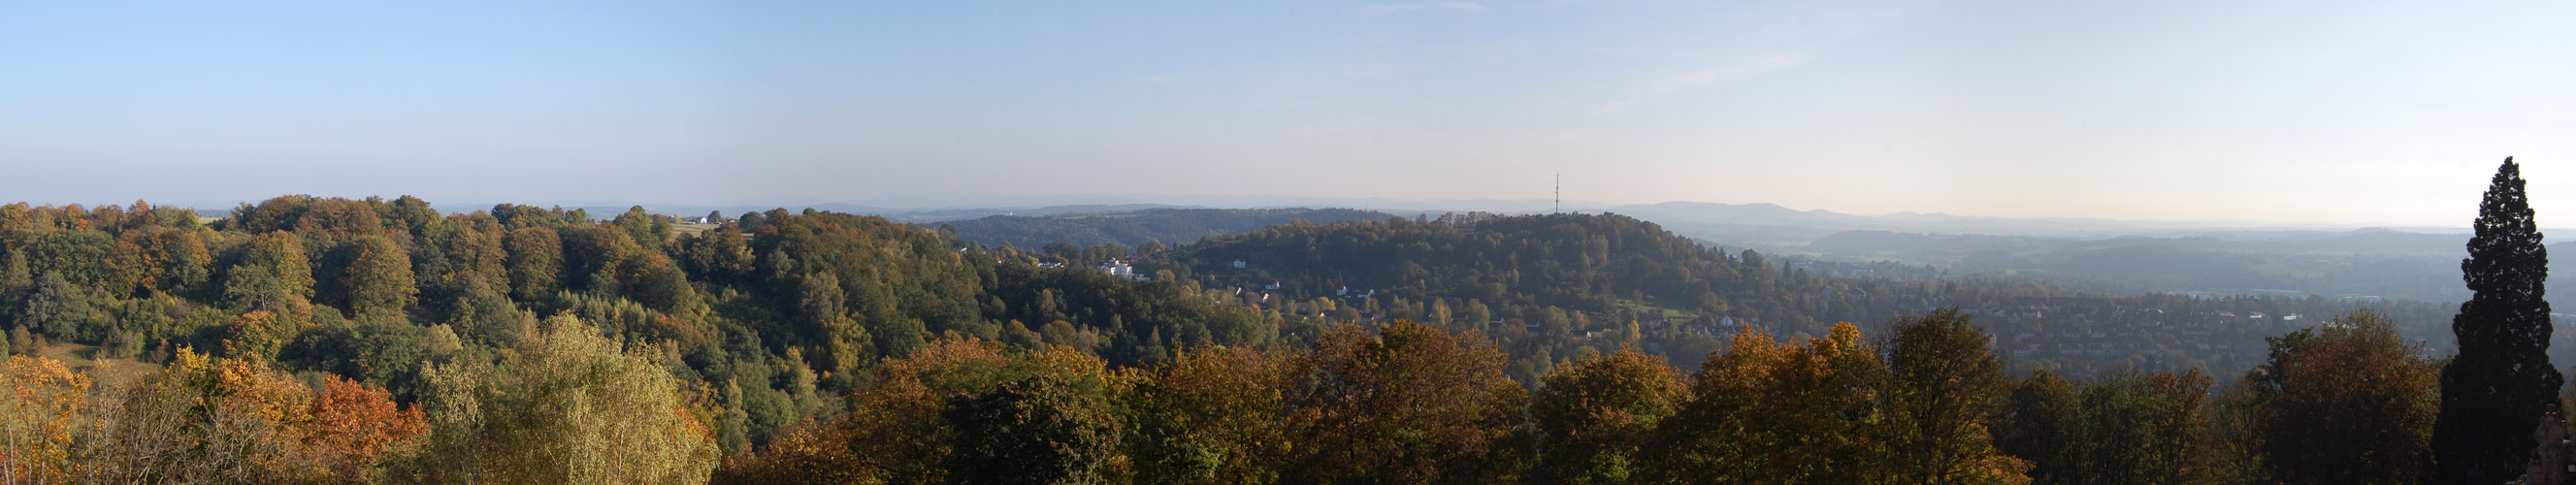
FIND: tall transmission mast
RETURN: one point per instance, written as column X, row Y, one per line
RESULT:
column 1560, row 192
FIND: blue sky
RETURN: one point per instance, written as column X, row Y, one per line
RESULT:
column 2328, row 112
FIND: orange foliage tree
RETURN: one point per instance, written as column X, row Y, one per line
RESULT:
column 356, row 425
column 203, row 419
column 41, row 406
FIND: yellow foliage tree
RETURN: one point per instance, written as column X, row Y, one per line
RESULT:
column 203, row 420
column 41, row 406
column 1774, row 412
column 258, row 334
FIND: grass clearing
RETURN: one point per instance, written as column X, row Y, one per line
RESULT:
column 678, row 229
column 1644, row 308
column 104, row 372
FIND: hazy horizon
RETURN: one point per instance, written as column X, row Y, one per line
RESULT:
column 2319, row 113
column 919, row 205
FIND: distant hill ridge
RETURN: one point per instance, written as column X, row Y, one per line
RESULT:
column 1110, row 225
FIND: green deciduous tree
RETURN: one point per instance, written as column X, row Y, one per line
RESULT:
column 2034, row 424
column 79, row 256
column 61, row 311
column 186, row 263
column 733, row 429
column 476, row 251
column 822, row 315
column 379, row 279
column 15, row 277
column 250, row 287
column 408, row 214
column 2141, row 428
column 599, row 259
column 535, row 263
column 1946, row 383
column 328, row 223
column 721, row 255
column 647, row 231
column 481, row 313
column 281, row 254
column 568, row 407
column 276, row 214
column 665, row 288
column 1036, row 431
column 1592, row 415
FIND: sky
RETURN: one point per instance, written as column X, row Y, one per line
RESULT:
column 2310, row 112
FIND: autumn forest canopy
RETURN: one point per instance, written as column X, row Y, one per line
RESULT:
column 327, row 340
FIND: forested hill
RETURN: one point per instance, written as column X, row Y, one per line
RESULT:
column 1556, row 286
column 1135, row 228
column 1586, row 263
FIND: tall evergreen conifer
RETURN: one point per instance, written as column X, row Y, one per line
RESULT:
column 2500, row 384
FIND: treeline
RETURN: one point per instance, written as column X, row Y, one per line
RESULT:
column 1399, row 403
column 1412, row 403
column 759, row 325
column 311, row 339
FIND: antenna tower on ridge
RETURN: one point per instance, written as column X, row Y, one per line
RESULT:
column 1560, row 192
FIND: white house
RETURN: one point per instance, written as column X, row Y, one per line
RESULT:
column 1120, row 269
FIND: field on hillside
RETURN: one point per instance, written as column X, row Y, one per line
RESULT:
column 105, row 372
column 678, row 229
